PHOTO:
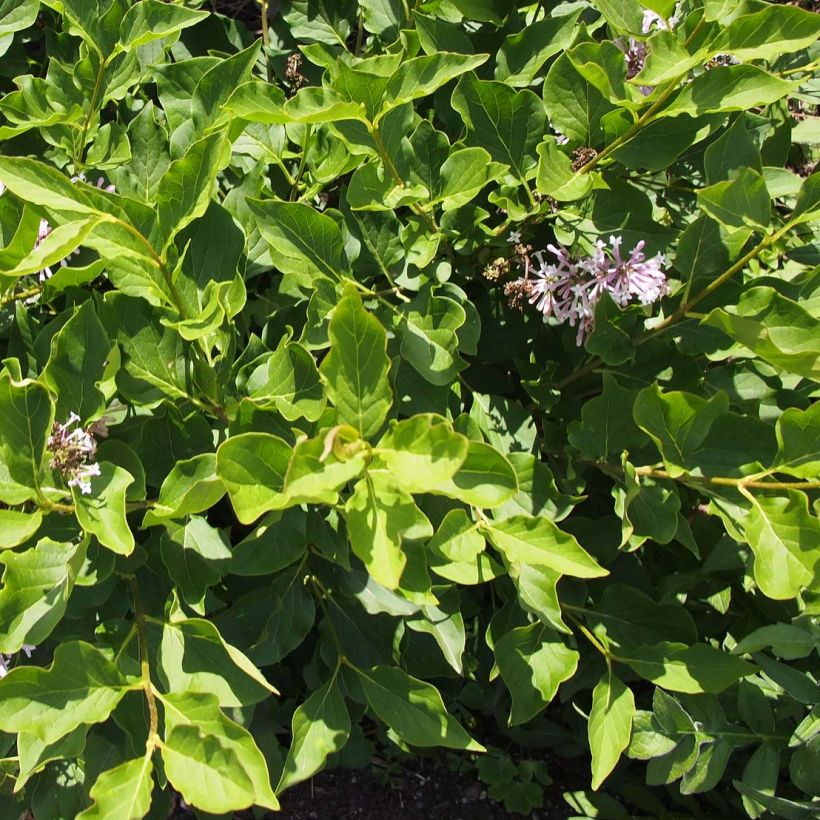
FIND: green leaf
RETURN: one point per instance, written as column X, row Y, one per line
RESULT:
column 81, row 686
column 775, row 328
column 316, row 475
column 206, row 771
column 27, row 414
column 37, row 584
column 729, row 88
column 320, row 727
column 626, row 15
column 214, row 731
column 485, row 478
column 17, row 15
column 17, row 527
column 304, row 240
column 154, row 20
column 102, row 511
column 733, row 150
column 786, row 640
column 523, row 54
column 533, row 662
column 690, row 669
column 356, row 369
column 252, row 467
column 379, row 515
column 785, row 540
column 445, row 624
column 507, row 123
column 761, row 772
column 413, row 709
column 192, row 486
column 606, row 425
column 149, row 155
column 741, row 201
column 42, row 184
column 212, row 91
column 153, row 356
column 383, row 17
column 574, row 106
column 34, row 755
column 421, row 76
column 196, row 556
column 798, row 438
column 677, row 422
column 429, row 338
column 610, row 725
column 555, row 176
column 289, row 381
column 537, row 588
column 769, row 33
column 59, row 244
column 122, row 793
column 422, row 452
column 630, row 617
column 780, row 806
column 526, row 540
column 808, row 200
column 184, row 191
column 193, row 657
column 79, row 353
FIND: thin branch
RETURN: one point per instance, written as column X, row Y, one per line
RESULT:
column 145, row 669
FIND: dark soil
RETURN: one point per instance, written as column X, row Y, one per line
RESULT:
column 425, row 790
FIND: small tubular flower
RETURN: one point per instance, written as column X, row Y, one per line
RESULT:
column 72, row 452
column 567, row 290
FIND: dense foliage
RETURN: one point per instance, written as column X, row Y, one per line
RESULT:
column 429, row 374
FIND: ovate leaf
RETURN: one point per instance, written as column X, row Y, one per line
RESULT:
column 304, row 240
column 215, row 731
column 534, row 662
column 193, row 657
column 610, row 725
column 379, row 515
column 320, row 727
column 413, row 709
column 37, row 584
column 252, row 467
column 102, row 511
column 27, row 414
column 536, row 540
column 77, row 363
column 81, row 686
column 355, row 371
column 422, row 452
column 122, row 793
column 785, row 539
column 507, row 123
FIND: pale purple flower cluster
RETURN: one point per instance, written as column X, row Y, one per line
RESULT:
column 569, row 289
column 45, row 228
column 5, row 660
column 635, row 51
column 72, row 451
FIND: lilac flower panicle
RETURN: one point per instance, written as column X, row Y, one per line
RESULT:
column 72, row 452
column 567, row 290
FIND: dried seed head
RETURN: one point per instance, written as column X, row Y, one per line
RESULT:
column 518, row 292
column 581, row 156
